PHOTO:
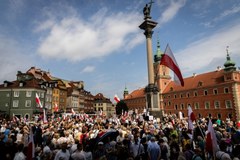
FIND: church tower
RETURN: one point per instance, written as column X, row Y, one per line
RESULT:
column 229, row 68
column 161, row 73
column 229, row 64
column 125, row 92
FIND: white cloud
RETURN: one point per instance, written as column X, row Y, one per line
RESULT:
column 210, row 52
column 73, row 39
column 45, row 25
column 226, row 13
column 171, row 11
column 88, row 69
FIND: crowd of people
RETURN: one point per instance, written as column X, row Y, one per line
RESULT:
column 117, row 138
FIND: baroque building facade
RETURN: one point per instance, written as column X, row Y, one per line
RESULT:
column 214, row 94
column 56, row 95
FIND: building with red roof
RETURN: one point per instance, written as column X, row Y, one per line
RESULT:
column 214, row 94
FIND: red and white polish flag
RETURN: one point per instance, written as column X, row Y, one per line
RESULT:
column 169, row 61
column 116, row 98
column 73, row 112
column 211, row 140
column 191, row 118
column 38, row 101
column 56, row 107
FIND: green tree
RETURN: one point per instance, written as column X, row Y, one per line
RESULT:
column 121, row 107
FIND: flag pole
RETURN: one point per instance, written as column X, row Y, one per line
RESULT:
column 200, row 129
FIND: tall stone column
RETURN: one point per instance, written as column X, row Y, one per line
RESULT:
column 151, row 91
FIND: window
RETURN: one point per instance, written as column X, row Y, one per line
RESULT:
column 207, row 105
column 195, row 93
column 6, row 104
column 226, row 90
column 199, row 115
column 196, row 105
column 181, row 95
column 169, row 103
column 28, row 103
column 228, row 104
column 16, row 94
column 215, row 91
column 175, row 96
column 205, row 92
column 176, row 106
column 28, row 93
column 217, row 104
column 188, row 95
column 200, row 84
column 20, row 84
column 182, row 106
column 15, row 103
column 42, row 95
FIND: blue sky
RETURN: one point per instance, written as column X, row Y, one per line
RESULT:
column 100, row 43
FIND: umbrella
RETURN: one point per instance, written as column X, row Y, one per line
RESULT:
column 112, row 134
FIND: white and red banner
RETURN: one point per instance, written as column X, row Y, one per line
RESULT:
column 169, row 61
column 15, row 118
column 56, row 107
column 211, row 140
column 191, row 118
column 116, row 98
column 73, row 112
column 38, row 101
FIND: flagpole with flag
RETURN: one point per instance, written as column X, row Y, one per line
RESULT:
column 116, row 98
column 169, row 61
column 73, row 112
column 211, row 140
column 38, row 101
column 191, row 118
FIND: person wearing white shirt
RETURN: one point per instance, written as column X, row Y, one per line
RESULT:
column 19, row 155
column 63, row 154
